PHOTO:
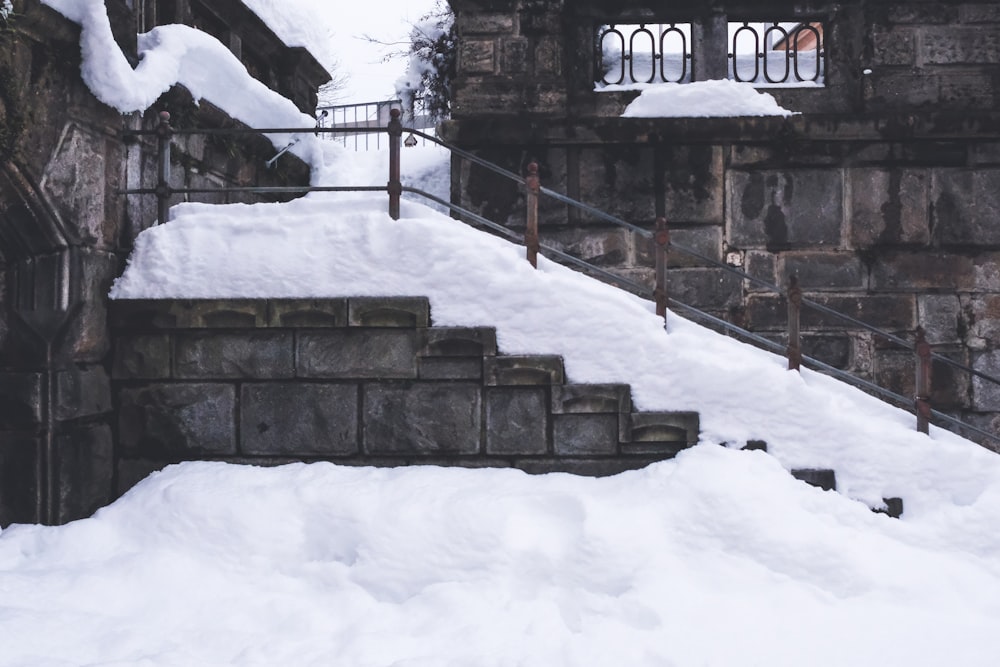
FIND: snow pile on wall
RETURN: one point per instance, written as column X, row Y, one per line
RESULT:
column 716, row 558
column 178, row 54
column 700, row 99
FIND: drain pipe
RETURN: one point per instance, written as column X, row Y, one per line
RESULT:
column 47, row 323
column 46, row 468
column 45, row 307
column 47, row 500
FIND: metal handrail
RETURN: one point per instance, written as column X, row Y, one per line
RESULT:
column 586, row 208
column 645, row 233
column 395, row 188
column 645, row 292
column 254, row 130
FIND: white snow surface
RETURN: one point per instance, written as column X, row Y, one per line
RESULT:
column 295, row 24
column 178, row 54
column 718, row 557
column 365, row 42
column 344, row 245
column 699, row 99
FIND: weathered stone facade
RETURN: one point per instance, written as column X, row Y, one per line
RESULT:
column 65, row 231
column 359, row 381
column 883, row 196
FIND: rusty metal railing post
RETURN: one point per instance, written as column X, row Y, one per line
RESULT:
column 662, row 240
column 532, row 188
column 395, row 186
column 164, row 134
column 794, row 314
column 922, row 400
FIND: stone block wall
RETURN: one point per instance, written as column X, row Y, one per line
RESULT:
column 933, row 54
column 872, row 229
column 60, row 224
column 512, row 58
column 359, row 381
column 538, row 57
column 65, row 231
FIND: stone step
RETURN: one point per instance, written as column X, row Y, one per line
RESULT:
column 523, row 370
column 893, row 507
column 659, row 434
column 586, row 418
column 390, row 312
column 667, row 428
column 755, row 445
column 311, row 313
column 156, row 314
column 376, row 312
column 591, row 399
column 822, row 478
column 455, row 353
column 459, row 342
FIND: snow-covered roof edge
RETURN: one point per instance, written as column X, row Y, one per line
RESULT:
column 179, row 55
column 293, row 27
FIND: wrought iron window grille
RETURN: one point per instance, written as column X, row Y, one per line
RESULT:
column 776, row 53
column 644, row 56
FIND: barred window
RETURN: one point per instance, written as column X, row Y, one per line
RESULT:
column 779, row 53
column 645, row 53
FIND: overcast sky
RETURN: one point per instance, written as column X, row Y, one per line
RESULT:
column 335, row 32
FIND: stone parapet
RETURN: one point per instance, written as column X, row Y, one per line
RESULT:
column 359, row 381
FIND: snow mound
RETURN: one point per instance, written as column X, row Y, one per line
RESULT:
column 702, row 99
column 703, row 560
column 178, row 54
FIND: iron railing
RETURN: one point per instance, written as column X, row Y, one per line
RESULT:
column 659, row 294
column 365, row 123
column 775, row 53
column 637, row 54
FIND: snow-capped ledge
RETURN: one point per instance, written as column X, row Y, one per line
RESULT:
column 702, row 99
column 178, row 54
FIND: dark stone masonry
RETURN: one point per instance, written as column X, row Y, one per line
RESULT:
column 65, row 232
column 359, row 381
column 882, row 195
